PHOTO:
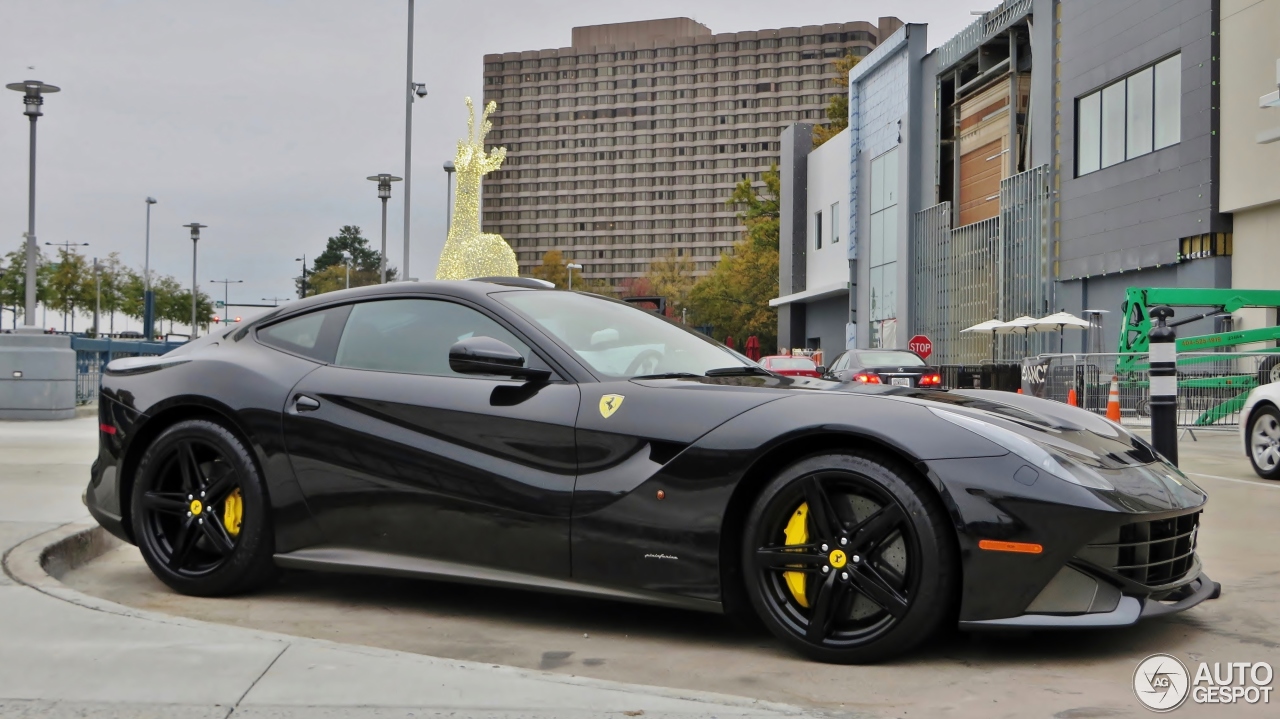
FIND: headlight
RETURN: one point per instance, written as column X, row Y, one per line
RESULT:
column 1036, row 455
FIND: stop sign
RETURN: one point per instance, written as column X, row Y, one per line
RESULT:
column 921, row 345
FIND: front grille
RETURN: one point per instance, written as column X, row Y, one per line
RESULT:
column 1151, row 553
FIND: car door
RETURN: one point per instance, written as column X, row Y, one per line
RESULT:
column 398, row 454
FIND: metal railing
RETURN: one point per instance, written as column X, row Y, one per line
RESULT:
column 1212, row 386
column 978, row 31
column 92, row 356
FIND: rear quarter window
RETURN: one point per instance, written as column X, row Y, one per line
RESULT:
column 313, row 335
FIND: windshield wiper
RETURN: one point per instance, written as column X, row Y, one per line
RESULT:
column 667, row 375
column 743, row 371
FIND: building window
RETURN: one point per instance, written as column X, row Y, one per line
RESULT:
column 835, row 222
column 817, row 230
column 1131, row 117
column 882, row 253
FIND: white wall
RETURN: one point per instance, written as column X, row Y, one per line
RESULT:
column 829, row 185
column 1250, row 49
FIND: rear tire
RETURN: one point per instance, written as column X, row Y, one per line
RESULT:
column 1263, row 436
column 876, row 572
column 200, row 512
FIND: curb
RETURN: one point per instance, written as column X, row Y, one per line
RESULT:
column 39, row 561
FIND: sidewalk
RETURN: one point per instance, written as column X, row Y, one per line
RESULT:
column 65, row 654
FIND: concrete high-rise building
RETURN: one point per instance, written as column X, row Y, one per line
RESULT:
column 625, row 146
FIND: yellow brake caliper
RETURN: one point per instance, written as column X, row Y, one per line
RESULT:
column 233, row 512
column 797, row 532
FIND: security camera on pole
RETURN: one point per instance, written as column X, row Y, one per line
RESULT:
column 1164, row 384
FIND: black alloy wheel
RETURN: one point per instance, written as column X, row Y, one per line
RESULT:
column 200, row 513
column 849, row 559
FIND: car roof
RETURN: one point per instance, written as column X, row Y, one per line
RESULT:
column 470, row 289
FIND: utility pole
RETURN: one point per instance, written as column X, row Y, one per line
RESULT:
column 226, row 295
column 303, row 260
column 412, row 88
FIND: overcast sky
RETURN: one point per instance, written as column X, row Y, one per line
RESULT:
column 261, row 119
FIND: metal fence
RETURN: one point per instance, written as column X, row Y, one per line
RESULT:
column 991, row 22
column 92, row 356
column 1212, row 386
column 994, row 268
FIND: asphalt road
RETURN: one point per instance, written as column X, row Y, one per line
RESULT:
column 1067, row 675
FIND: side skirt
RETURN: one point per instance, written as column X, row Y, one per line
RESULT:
column 361, row 561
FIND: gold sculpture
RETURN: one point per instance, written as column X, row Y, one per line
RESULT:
column 468, row 252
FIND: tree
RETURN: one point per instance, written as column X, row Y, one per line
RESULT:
column 553, row 269
column 13, row 285
column 365, row 264
column 734, row 298
column 838, row 108
column 671, row 276
column 71, row 284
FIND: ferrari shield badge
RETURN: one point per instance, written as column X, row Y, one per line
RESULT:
column 610, row 404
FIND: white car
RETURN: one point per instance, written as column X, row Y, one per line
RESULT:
column 1260, row 429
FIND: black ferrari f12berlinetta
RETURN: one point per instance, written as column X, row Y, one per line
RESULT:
column 499, row 432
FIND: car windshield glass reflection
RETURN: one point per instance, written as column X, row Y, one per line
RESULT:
column 617, row 340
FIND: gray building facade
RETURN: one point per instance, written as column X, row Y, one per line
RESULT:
column 1132, row 218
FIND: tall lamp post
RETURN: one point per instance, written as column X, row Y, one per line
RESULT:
column 148, row 299
column 384, row 193
column 571, row 267
column 34, row 91
column 412, row 89
column 97, row 304
column 303, row 260
column 66, row 249
column 195, row 241
column 448, row 197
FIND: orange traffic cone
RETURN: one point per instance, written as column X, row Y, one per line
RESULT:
column 1019, row 390
column 1113, row 399
column 1071, row 397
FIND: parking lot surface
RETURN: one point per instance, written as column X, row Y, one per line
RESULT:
column 1076, row 674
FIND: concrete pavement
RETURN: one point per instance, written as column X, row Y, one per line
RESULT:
column 67, row 654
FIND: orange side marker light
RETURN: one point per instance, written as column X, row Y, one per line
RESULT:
column 1016, row 547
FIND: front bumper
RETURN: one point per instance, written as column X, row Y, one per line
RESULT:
column 1130, row 610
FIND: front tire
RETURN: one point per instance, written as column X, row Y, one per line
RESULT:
column 849, row 558
column 1264, row 442
column 200, row 512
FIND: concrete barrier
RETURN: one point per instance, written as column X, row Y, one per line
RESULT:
column 37, row 377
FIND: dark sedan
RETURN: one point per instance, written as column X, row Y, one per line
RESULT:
column 899, row 368
column 501, row 433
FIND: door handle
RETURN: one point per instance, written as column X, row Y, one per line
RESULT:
column 303, row 403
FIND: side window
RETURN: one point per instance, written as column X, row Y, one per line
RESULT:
column 311, row 335
column 414, row 336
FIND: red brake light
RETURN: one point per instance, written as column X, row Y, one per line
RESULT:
column 931, row 380
column 867, row 378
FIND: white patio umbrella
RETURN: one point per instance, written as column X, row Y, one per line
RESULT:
column 991, row 326
column 1023, row 325
column 1060, row 321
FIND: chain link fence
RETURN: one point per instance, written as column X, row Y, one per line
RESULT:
column 1212, row 386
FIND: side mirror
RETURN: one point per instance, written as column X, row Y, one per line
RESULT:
column 486, row 355
column 822, row 370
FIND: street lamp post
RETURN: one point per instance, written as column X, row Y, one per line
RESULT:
column 412, row 89
column 571, row 267
column 226, row 295
column 448, row 197
column 384, row 193
column 34, row 91
column 148, row 299
column 195, row 241
column 303, row 260
column 346, row 259
column 66, row 250
column 97, row 304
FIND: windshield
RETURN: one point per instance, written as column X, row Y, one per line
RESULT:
column 617, row 340
column 884, row 359
column 791, row 363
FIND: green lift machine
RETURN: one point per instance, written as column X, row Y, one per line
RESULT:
column 1231, row 388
